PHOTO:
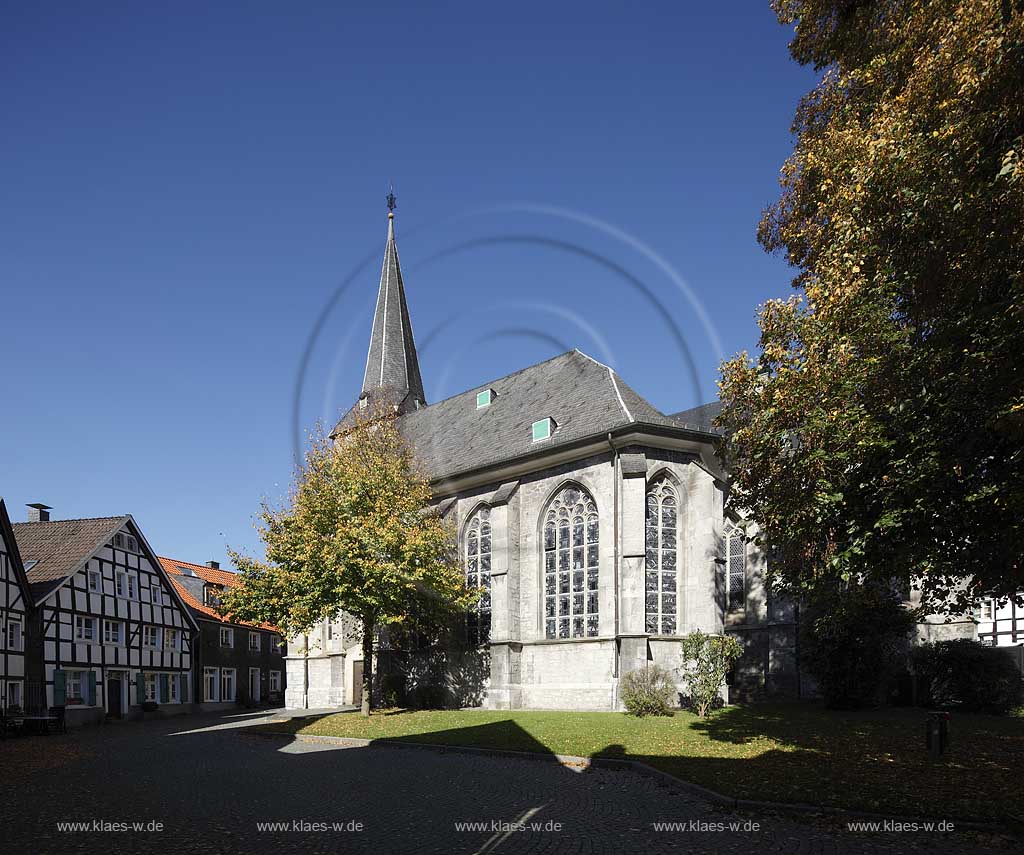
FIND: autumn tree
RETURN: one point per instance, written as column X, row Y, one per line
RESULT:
column 879, row 433
column 354, row 536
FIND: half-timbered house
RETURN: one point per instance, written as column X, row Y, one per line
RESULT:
column 114, row 636
column 14, row 606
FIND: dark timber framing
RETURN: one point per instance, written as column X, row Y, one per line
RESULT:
column 149, row 658
column 15, row 604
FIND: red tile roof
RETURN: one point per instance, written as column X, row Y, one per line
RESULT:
column 225, row 578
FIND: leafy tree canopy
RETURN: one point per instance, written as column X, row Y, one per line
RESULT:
column 880, row 430
column 355, row 535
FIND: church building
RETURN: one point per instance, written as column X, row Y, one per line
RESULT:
column 595, row 523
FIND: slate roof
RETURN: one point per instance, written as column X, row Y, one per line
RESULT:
column 208, row 574
column 701, row 417
column 391, row 362
column 585, row 398
column 59, row 547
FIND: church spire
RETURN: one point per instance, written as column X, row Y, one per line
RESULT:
column 392, row 366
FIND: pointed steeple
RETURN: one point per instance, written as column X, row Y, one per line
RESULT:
column 392, row 366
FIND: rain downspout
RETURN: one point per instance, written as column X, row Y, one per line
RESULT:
column 615, row 560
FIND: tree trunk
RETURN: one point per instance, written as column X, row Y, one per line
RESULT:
column 367, row 665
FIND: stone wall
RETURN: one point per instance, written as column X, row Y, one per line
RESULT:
column 524, row 669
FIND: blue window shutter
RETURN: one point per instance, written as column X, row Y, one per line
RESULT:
column 91, row 697
column 165, row 691
column 59, row 688
column 140, row 688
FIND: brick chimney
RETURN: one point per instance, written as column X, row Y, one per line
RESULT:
column 213, row 565
column 38, row 512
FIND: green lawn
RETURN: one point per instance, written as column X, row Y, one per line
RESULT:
column 869, row 760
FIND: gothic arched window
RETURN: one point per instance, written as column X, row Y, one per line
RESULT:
column 735, row 566
column 570, row 565
column 662, row 559
column 478, row 575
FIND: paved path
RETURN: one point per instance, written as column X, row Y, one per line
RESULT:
column 209, row 784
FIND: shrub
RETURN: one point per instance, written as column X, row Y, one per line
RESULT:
column 967, row 675
column 648, row 691
column 706, row 661
column 852, row 641
column 427, row 696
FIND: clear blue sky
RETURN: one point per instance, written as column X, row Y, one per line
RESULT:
column 185, row 189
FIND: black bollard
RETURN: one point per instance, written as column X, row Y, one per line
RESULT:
column 937, row 734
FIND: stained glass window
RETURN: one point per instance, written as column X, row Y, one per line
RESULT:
column 735, row 566
column 660, row 592
column 478, row 575
column 571, row 558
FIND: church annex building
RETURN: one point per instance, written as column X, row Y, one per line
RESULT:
column 595, row 522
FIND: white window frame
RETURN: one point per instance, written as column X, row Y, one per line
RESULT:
column 228, row 633
column 208, row 674
column 156, row 595
column 275, row 681
column 120, row 635
column 150, row 637
column 18, row 688
column 484, row 398
column 258, row 646
column 170, row 639
column 81, row 622
column 211, row 596
column 172, row 689
column 228, row 677
column 151, row 681
column 14, row 634
column 75, row 688
column 125, row 585
column 96, row 575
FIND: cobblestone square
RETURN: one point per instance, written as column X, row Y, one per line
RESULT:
column 202, row 784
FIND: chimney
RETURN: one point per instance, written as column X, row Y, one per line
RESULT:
column 38, row 512
column 213, row 565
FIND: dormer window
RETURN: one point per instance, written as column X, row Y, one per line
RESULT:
column 543, row 429
column 484, row 398
column 212, row 595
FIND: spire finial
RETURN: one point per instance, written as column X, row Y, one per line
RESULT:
column 392, row 201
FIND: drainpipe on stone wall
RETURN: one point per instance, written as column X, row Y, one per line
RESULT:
column 305, row 673
column 615, row 554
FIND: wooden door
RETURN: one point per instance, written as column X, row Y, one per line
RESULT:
column 114, row 697
column 357, row 682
